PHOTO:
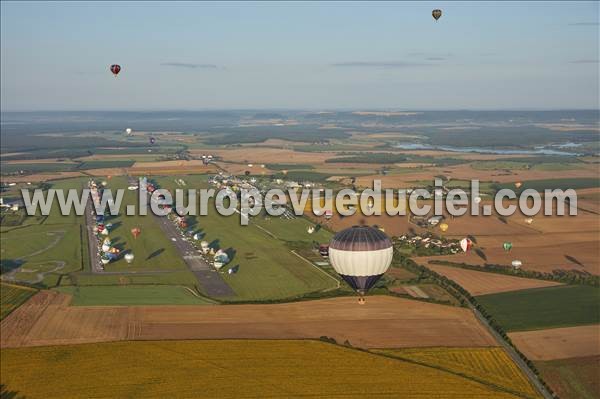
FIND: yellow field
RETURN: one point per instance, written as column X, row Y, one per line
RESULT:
column 225, row 369
column 490, row 365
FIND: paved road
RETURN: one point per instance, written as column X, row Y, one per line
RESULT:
column 90, row 222
column 513, row 354
column 209, row 279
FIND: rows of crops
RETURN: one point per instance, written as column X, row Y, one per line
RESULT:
column 491, row 365
column 11, row 297
column 225, row 369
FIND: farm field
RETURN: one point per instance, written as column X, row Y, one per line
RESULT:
column 491, row 365
column 205, row 368
column 575, row 378
column 384, row 322
column 482, row 283
column 549, row 243
column 541, row 308
column 558, row 343
column 131, row 295
column 12, row 296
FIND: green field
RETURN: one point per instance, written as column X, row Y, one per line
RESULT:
column 132, row 295
column 38, row 167
column 152, row 249
column 268, row 268
column 45, row 247
column 541, row 308
column 119, row 163
column 12, row 296
column 496, row 165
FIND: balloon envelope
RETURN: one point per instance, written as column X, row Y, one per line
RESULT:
column 129, row 257
column 115, row 69
column 507, row 246
column 443, row 227
column 466, row 244
column 436, row 14
column 360, row 255
column 128, row 131
column 136, row 232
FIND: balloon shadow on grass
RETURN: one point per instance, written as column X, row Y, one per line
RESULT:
column 155, row 253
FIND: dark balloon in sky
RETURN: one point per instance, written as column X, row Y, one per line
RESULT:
column 115, row 69
column 436, row 14
column 152, row 140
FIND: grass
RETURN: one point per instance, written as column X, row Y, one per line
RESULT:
column 152, row 249
column 8, row 168
column 132, row 295
column 268, row 269
column 491, row 365
column 496, row 165
column 289, row 166
column 12, row 296
column 225, row 369
column 541, row 308
column 113, row 163
column 575, row 378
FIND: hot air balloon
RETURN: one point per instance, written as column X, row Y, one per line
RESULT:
column 529, row 220
column 136, row 232
column 129, row 257
column 115, row 69
column 361, row 255
column 370, row 204
column 105, row 259
column 477, row 200
column 152, row 140
column 516, row 264
column 507, row 246
column 436, row 14
column 247, row 173
column 128, row 131
column 466, row 244
column 443, row 227
column 518, row 184
column 310, row 230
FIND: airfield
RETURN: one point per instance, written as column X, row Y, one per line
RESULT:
column 284, row 297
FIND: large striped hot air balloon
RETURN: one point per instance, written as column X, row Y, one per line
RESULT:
column 436, row 14
column 361, row 255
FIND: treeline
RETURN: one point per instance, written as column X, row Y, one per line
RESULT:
column 465, row 298
column 558, row 275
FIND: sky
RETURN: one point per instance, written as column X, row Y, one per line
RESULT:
column 299, row 55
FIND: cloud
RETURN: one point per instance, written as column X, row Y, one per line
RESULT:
column 588, row 61
column 585, row 24
column 191, row 66
column 378, row 64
